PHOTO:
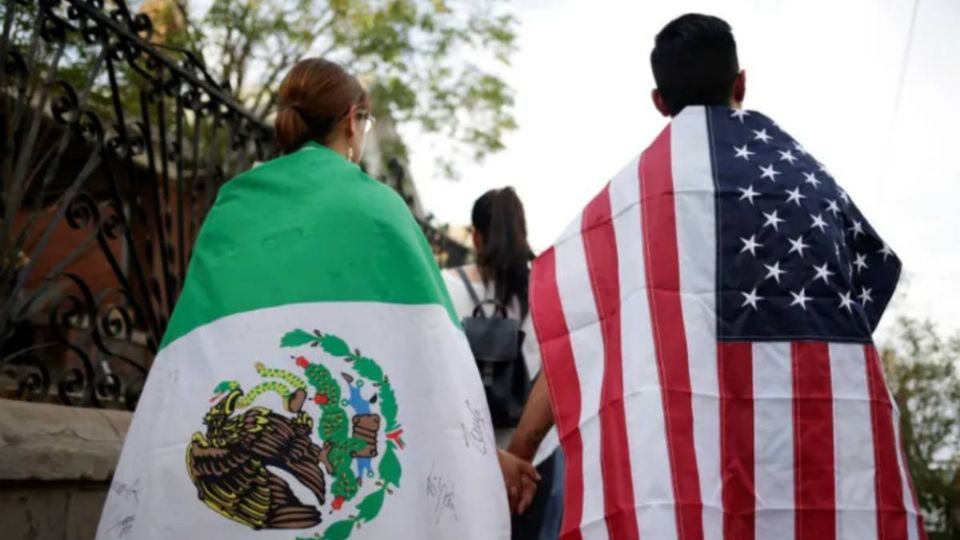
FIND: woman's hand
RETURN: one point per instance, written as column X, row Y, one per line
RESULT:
column 521, row 480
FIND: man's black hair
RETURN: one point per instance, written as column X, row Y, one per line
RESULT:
column 694, row 62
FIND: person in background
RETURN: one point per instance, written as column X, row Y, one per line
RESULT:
column 501, row 277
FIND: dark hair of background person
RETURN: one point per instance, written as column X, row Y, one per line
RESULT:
column 694, row 62
column 503, row 255
column 314, row 96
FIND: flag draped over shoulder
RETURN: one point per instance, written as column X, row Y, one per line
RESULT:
column 705, row 326
column 313, row 382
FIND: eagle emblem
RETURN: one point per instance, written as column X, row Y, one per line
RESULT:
column 337, row 435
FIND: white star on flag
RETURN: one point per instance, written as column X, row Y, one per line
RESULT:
column 797, row 245
column 761, row 135
column 818, row 222
column 773, row 220
column 750, row 244
column 846, row 302
column 787, row 156
column 860, row 262
column 769, row 172
column 865, row 295
column 739, row 114
column 811, row 179
column 799, row 148
column 794, row 196
column 800, row 299
column 857, row 228
column 832, row 206
column 743, row 152
column 886, row 251
column 751, row 298
column 748, row 193
column 774, row 271
column 823, row 272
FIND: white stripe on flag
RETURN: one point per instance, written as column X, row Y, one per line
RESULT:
column 908, row 496
column 773, row 440
column 696, row 242
column 579, row 307
column 853, row 443
column 649, row 460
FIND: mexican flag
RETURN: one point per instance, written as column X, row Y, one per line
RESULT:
column 313, row 382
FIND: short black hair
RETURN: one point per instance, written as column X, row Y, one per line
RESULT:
column 694, row 62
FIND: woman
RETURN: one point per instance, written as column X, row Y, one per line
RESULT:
column 501, row 277
column 313, row 336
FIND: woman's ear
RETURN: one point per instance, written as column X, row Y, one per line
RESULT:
column 350, row 127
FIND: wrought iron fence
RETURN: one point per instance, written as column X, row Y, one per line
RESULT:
column 112, row 151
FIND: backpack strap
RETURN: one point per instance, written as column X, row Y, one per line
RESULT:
column 466, row 281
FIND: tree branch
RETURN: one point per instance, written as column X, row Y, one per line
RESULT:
column 266, row 89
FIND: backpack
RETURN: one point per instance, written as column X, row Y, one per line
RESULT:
column 496, row 343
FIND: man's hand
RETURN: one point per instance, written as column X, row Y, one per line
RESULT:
column 535, row 422
column 521, row 480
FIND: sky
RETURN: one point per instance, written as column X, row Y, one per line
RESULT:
column 829, row 72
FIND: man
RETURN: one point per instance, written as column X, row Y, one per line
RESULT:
column 706, row 325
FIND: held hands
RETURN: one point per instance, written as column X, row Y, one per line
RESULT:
column 521, row 480
column 518, row 473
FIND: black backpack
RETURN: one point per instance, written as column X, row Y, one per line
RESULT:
column 496, row 343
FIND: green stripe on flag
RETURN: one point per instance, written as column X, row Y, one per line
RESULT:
column 307, row 227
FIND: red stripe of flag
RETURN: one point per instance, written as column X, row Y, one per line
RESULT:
column 557, row 353
column 921, row 531
column 735, row 364
column 814, row 481
column 891, row 514
column 902, row 457
column 662, row 266
column 600, row 248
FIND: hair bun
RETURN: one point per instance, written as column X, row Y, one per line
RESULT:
column 291, row 128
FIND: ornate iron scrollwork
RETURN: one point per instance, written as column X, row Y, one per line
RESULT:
column 112, row 153
column 112, row 149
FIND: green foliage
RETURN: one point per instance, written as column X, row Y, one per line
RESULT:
column 421, row 58
column 389, row 467
column 370, row 506
column 334, row 346
column 340, row 530
column 921, row 368
column 388, row 406
column 367, row 368
column 297, row 338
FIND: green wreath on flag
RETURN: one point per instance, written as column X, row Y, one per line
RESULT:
column 389, row 467
column 230, row 463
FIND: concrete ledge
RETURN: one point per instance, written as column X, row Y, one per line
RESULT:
column 57, row 443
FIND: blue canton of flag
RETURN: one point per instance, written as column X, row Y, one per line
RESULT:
column 796, row 258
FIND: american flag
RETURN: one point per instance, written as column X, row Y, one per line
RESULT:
column 705, row 326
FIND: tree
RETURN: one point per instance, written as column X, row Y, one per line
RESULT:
column 423, row 59
column 921, row 369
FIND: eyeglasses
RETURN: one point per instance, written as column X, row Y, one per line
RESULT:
column 367, row 119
